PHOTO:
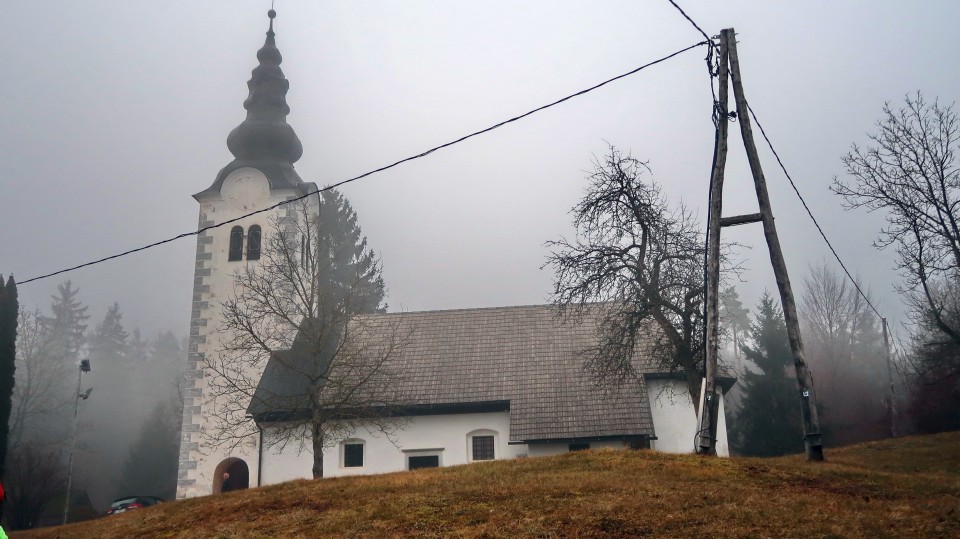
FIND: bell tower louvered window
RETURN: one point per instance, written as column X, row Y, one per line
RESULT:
column 236, row 244
column 253, row 243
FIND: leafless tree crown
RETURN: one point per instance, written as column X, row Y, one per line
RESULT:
column 643, row 261
column 909, row 171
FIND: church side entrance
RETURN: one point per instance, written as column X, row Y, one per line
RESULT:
column 231, row 474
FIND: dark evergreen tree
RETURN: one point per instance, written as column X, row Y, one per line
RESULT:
column 734, row 318
column 138, row 349
column 768, row 423
column 151, row 466
column 9, row 310
column 354, row 269
column 67, row 322
column 110, row 417
column 166, row 349
column 108, row 343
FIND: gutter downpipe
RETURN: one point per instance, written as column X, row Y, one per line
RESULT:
column 259, row 455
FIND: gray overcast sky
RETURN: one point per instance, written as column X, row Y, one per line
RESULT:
column 115, row 112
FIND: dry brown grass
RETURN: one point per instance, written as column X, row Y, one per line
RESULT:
column 908, row 487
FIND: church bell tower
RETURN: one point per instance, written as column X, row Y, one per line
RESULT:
column 264, row 147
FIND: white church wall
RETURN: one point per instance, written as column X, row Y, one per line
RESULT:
column 723, row 446
column 447, row 436
column 674, row 417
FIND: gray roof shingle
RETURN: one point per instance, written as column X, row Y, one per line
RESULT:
column 524, row 355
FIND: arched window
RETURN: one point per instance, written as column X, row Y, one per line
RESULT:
column 253, row 243
column 236, row 244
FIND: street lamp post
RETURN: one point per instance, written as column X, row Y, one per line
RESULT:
column 84, row 367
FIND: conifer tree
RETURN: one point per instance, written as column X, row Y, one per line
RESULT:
column 151, row 466
column 67, row 322
column 354, row 269
column 9, row 310
column 769, row 419
column 734, row 318
column 109, row 340
column 108, row 419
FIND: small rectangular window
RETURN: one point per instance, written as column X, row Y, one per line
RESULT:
column 428, row 461
column 579, row 446
column 352, row 455
column 483, row 448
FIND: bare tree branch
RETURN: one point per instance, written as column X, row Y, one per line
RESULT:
column 641, row 259
column 299, row 350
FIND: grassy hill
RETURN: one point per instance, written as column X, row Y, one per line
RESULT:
column 909, row 487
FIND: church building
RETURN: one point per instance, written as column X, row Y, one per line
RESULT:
column 490, row 383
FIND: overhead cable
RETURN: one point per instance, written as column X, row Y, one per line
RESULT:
column 364, row 175
column 810, row 213
column 685, row 16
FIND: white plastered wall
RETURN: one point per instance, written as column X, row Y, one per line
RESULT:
column 446, row 435
column 675, row 419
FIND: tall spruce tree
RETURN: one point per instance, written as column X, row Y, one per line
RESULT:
column 151, row 466
column 109, row 340
column 339, row 235
column 9, row 310
column 768, row 423
column 734, row 319
column 108, row 420
column 67, row 322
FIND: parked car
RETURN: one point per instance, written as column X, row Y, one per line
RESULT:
column 122, row 505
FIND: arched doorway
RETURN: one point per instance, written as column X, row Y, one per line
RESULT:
column 231, row 474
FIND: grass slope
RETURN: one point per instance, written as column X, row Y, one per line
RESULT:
column 909, row 487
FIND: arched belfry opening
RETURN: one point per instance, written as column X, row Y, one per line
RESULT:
column 231, row 474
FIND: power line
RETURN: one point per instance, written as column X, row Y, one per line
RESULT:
column 364, row 175
column 812, row 218
column 711, row 60
column 685, row 16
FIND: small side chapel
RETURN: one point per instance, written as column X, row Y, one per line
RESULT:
column 496, row 383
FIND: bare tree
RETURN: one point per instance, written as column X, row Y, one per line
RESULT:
column 35, row 475
column 40, row 396
column 910, row 172
column 642, row 259
column 299, row 317
column 845, row 348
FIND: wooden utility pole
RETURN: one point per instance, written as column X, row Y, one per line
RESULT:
column 891, row 392
column 808, row 404
column 708, row 426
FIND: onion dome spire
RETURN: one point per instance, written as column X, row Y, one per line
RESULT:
column 264, row 140
column 265, row 133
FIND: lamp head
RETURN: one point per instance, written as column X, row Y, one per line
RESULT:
column 85, row 365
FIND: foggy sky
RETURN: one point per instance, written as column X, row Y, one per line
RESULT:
column 115, row 112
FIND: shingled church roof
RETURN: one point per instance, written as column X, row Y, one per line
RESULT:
column 524, row 356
